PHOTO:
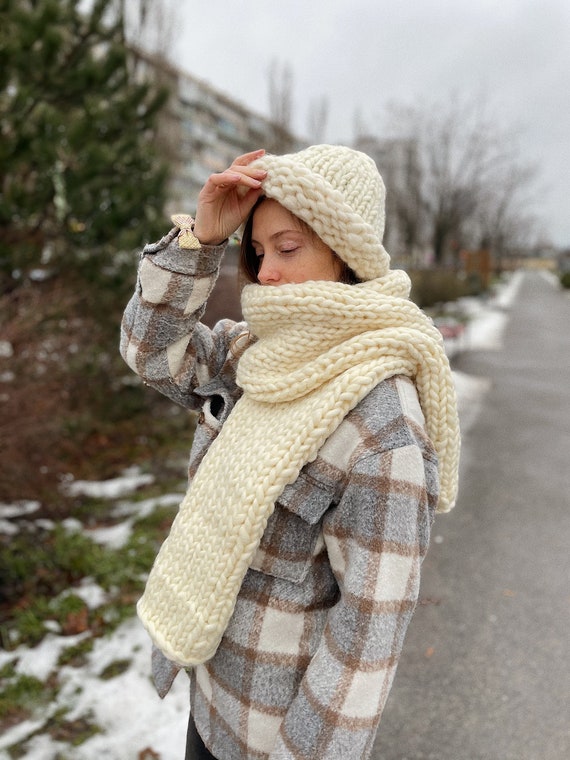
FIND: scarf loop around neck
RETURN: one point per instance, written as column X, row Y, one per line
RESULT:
column 321, row 347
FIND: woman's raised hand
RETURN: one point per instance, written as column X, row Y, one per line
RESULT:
column 227, row 198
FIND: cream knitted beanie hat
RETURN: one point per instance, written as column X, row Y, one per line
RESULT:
column 340, row 194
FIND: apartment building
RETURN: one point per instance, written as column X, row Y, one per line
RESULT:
column 202, row 130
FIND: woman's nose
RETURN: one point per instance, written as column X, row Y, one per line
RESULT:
column 268, row 273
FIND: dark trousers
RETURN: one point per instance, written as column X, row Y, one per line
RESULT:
column 195, row 748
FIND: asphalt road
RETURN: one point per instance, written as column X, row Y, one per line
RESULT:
column 485, row 673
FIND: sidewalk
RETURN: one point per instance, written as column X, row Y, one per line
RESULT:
column 486, row 669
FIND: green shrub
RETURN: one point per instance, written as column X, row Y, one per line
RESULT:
column 47, row 563
column 73, row 732
column 432, row 286
column 20, row 694
column 565, row 279
column 114, row 669
column 76, row 655
column 39, row 570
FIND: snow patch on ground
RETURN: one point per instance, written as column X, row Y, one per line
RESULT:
column 488, row 317
column 129, row 481
column 126, row 707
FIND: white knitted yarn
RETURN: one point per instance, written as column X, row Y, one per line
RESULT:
column 322, row 347
column 339, row 193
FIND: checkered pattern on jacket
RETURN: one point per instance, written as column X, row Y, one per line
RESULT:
column 307, row 661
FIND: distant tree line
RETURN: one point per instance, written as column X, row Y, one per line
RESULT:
column 472, row 188
column 467, row 184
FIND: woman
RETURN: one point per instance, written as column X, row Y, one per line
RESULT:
column 327, row 439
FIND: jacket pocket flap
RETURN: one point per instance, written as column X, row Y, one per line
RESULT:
column 306, row 498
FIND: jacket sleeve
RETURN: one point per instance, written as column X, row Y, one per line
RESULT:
column 376, row 539
column 162, row 339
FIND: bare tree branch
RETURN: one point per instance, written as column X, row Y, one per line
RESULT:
column 472, row 179
column 317, row 119
column 150, row 24
column 281, row 106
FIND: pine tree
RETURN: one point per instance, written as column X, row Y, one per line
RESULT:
column 81, row 187
column 79, row 176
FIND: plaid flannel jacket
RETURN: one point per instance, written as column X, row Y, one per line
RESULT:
column 308, row 659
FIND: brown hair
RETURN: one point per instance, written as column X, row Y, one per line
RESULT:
column 249, row 261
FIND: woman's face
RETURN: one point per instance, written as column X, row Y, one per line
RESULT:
column 287, row 251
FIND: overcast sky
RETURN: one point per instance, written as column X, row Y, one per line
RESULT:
column 363, row 54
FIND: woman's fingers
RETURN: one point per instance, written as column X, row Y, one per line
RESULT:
column 227, row 198
column 222, row 181
column 226, row 180
column 229, row 179
column 247, row 158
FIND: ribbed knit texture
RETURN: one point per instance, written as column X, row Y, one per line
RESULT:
column 322, row 347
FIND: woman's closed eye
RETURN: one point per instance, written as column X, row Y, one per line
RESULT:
column 283, row 250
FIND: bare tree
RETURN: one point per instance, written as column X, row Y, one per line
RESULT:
column 150, row 32
column 281, row 106
column 505, row 222
column 317, row 119
column 467, row 163
column 150, row 24
column 407, row 208
column 397, row 159
column 359, row 126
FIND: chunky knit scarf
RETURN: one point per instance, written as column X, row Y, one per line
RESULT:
column 321, row 347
